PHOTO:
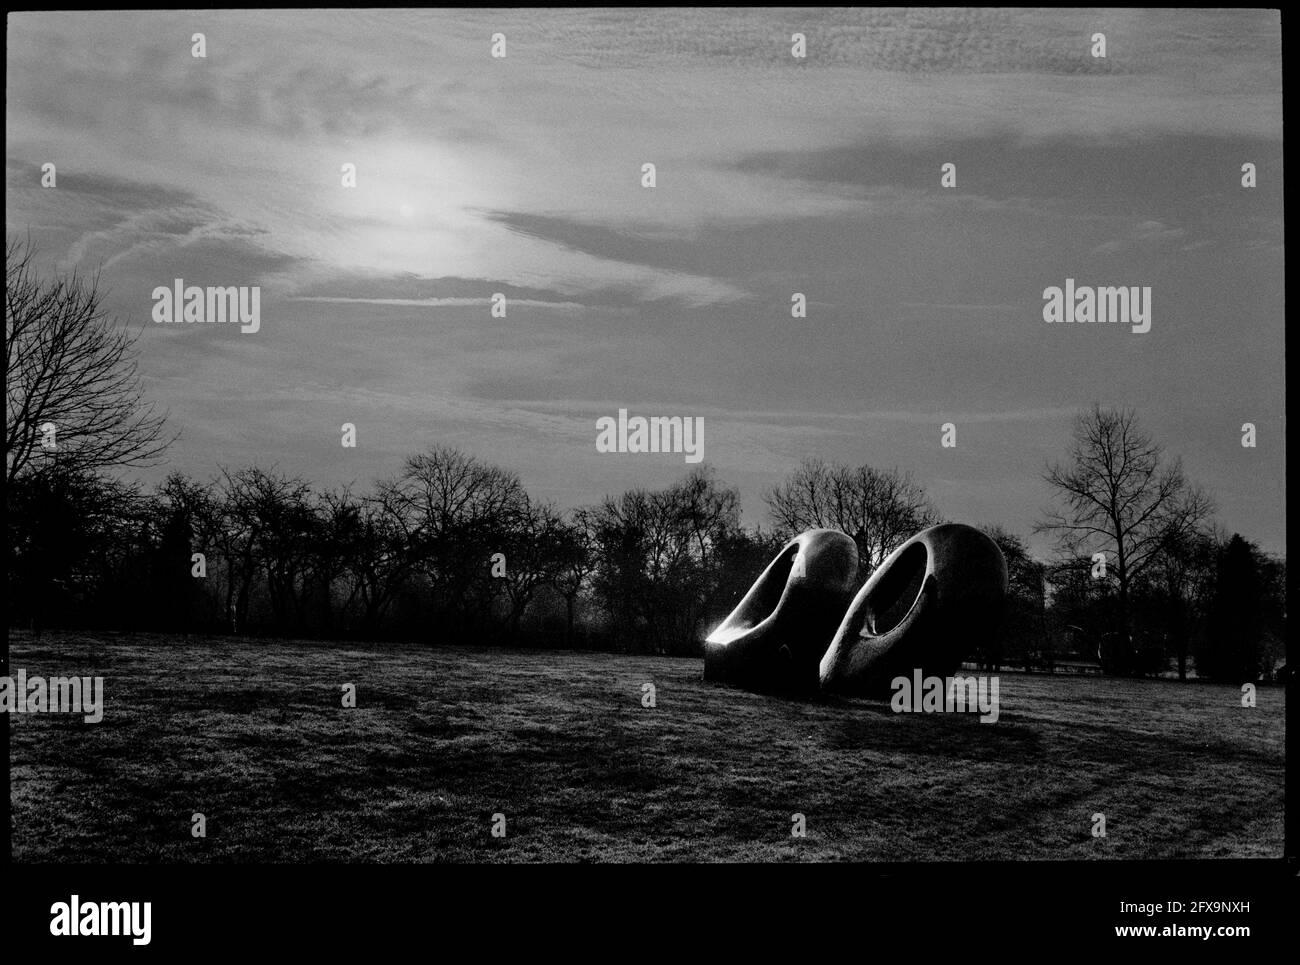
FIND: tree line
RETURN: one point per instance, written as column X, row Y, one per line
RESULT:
column 452, row 549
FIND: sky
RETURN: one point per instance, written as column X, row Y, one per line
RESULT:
column 522, row 175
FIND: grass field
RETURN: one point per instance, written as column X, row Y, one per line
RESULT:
column 253, row 735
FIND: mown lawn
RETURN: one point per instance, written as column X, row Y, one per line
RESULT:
column 253, row 735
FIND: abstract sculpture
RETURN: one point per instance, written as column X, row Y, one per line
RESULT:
column 932, row 601
column 774, row 639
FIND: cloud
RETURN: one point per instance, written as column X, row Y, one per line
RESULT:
column 522, row 175
column 441, row 302
column 1152, row 233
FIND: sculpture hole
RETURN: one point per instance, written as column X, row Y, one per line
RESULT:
column 898, row 589
column 769, row 593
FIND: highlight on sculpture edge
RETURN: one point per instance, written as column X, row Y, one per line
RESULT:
column 774, row 639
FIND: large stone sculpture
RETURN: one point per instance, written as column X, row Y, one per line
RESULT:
column 931, row 602
column 774, row 640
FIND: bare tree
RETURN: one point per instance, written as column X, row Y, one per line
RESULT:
column 575, row 561
column 1182, row 584
column 376, row 553
column 339, row 520
column 1121, row 498
column 453, row 511
column 532, row 559
column 280, row 511
column 1024, row 636
column 185, row 513
column 69, row 366
column 880, row 509
column 656, row 554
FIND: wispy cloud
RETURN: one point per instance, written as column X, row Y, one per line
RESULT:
column 439, row 302
column 1144, row 233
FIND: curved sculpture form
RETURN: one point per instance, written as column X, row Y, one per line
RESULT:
column 929, row 603
column 773, row 640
